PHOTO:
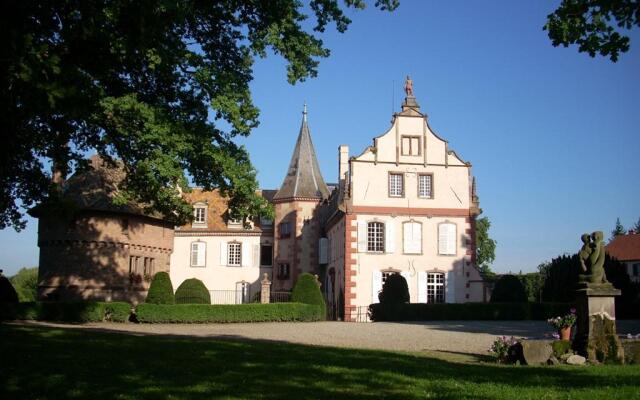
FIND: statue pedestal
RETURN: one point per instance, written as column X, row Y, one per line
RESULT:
column 596, row 337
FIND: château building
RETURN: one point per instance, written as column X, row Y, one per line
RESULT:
column 407, row 204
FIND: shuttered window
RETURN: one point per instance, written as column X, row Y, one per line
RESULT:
column 198, row 254
column 375, row 236
column 412, row 238
column 234, row 254
column 447, row 239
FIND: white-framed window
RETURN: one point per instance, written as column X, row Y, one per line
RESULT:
column 447, row 238
column 425, row 186
column 412, row 237
column 411, row 146
column 198, row 254
column 435, row 287
column 636, row 269
column 200, row 215
column 396, row 184
column 375, row 236
column 234, row 254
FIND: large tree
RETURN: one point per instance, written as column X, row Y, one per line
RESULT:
column 594, row 25
column 617, row 230
column 161, row 85
column 485, row 246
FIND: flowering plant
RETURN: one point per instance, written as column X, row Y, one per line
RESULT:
column 565, row 321
column 500, row 347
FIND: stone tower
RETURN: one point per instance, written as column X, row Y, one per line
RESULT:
column 297, row 228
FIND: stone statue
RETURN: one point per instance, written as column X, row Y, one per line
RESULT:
column 592, row 255
column 408, row 87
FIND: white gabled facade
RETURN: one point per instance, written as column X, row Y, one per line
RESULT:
column 409, row 207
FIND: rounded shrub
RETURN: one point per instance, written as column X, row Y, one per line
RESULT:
column 192, row 291
column 509, row 289
column 307, row 291
column 161, row 290
column 395, row 290
column 7, row 292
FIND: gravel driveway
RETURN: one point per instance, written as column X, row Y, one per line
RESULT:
column 472, row 337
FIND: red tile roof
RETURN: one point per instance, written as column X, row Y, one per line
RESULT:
column 625, row 247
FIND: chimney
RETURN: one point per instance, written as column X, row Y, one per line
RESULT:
column 343, row 162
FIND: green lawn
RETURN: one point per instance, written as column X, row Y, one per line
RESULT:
column 48, row 363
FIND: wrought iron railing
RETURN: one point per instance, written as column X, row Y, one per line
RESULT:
column 356, row 314
column 230, row 296
column 280, row 296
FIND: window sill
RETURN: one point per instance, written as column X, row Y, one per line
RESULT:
column 198, row 266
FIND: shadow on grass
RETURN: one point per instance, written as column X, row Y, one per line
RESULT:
column 51, row 363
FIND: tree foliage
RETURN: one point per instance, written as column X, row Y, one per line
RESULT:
column 161, row 85
column 636, row 227
column 618, row 229
column 485, row 246
column 26, row 284
column 594, row 25
column 508, row 289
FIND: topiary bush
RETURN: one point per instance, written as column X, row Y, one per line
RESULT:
column 192, row 291
column 307, row 291
column 7, row 293
column 509, row 289
column 395, row 290
column 161, row 290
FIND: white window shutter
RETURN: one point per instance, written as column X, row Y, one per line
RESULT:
column 324, row 251
column 224, row 260
column 246, row 254
column 202, row 254
column 451, row 239
column 407, row 236
column 376, row 286
column 256, row 255
column 389, row 238
column 417, row 237
column 194, row 254
column 442, row 238
column 362, row 237
column 422, row 287
column 407, row 277
column 450, row 287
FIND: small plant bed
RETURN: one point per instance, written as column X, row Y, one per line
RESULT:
column 52, row 363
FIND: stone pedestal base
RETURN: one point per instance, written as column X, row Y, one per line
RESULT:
column 596, row 337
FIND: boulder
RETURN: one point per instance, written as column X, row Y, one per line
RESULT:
column 532, row 352
column 575, row 359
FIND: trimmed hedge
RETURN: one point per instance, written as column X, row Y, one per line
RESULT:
column 509, row 289
column 307, row 291
column 192, row 291
column 66, row 311
column 467, row 311
column 203, row 313
column 161, row 290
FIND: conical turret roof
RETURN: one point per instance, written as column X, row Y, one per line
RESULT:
column 304, row 178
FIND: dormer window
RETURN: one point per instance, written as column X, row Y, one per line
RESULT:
column 200, row 215
column 411, row 146
column 234, row 222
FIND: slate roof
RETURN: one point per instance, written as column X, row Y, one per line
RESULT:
column 625, row 247
column 303, row 178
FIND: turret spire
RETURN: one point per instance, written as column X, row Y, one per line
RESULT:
column 303, row 179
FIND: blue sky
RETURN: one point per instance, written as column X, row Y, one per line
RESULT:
column 553, row 134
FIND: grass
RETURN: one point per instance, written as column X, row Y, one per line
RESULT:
column 52, row 363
